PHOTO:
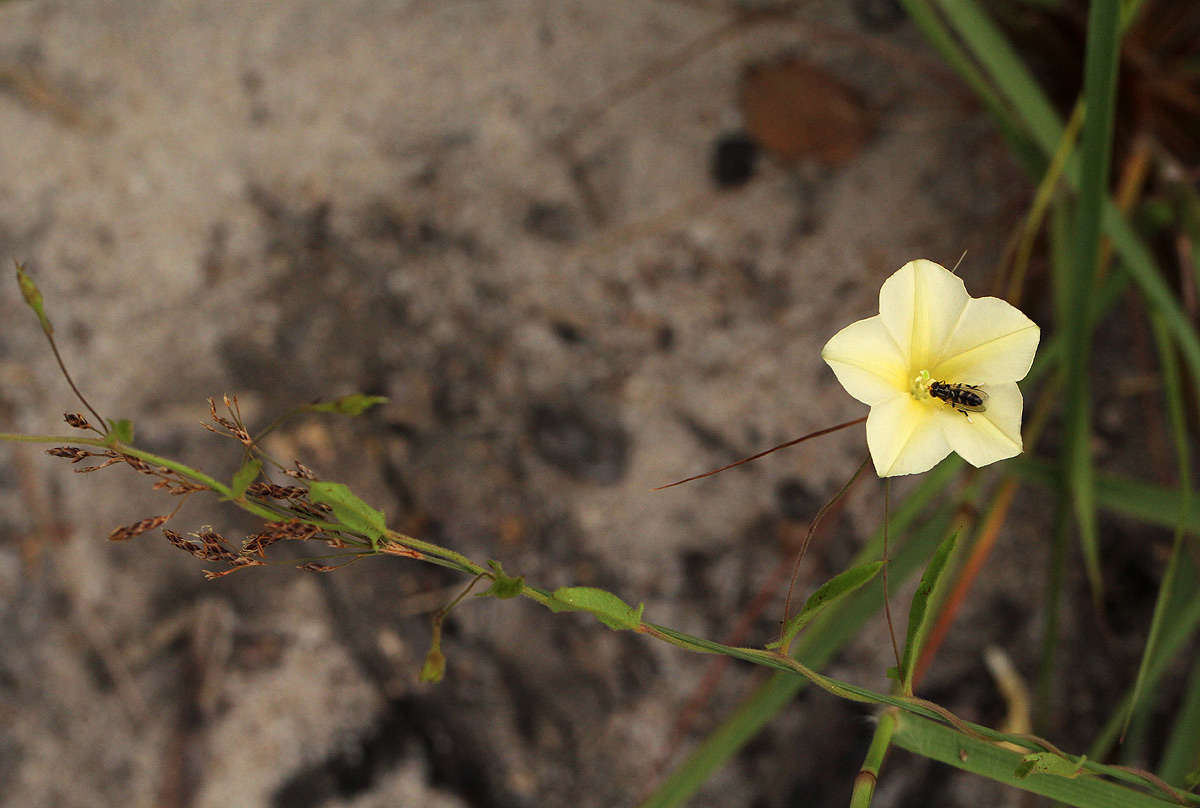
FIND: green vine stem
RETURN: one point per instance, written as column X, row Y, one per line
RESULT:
column 400, row 544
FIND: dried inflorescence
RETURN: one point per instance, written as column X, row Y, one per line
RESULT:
column 272, row 532
column 314, row 566
column 301, row 472
column 317, row 510
column 272, row 491
column 72, row 453
column 207, row 544
column 168, row 480
column 77, row 420
column 233, row 425
column 137, row 528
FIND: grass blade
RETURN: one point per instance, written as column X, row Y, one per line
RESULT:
column 1100, row 82
column 1182, row 754
column 1175, row 408
column 944, row 744
column 1150, row 503
column 1014, row 81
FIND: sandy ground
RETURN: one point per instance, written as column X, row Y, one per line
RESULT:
column 502, row 216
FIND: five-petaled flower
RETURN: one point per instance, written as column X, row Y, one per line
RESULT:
column 939, row 370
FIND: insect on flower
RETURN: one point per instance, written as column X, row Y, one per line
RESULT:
column 966, row 398
column 933, row 355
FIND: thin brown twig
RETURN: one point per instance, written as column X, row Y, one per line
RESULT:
column 812, row 528
column 63, row 367
column 792, row 442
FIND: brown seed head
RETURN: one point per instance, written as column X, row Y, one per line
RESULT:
column 76, row 420
column 185, row 544
column 272, row 491
column 137, row 528
column 302, row 472
column 70, row 452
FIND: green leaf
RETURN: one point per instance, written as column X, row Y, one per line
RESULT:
column 245, row 475
column 503, row 586
column 604, row 606
column 1100, row 81
column 354, row 404
column 348, row 509
column 947, row 745
column 1049, row 763
column 33, row 297
column 1173, row 389
column 827, row 594
column 120, row 430
column 920, row 616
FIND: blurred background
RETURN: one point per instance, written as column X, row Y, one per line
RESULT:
column 584, row 248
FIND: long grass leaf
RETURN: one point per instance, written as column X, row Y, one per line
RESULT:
column 1151, row 503
column 1100, row 89
column 1175, row 409
column 1181, row 620
column 1016, row 83
column 942, row 743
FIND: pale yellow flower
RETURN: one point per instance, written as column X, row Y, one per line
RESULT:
column 931, row 335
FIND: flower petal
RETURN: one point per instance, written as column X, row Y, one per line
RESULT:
column 904, row 437
column 991, row 435
column 866, row 361
column 920, row 304
column 993, row 342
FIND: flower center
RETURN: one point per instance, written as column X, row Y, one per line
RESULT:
column 920, row 386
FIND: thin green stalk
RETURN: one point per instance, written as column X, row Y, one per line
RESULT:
column 1054, row 761
column 1044, row 698
column 868, row 775
column 1181, row 621
column 1182, row 754
column 1175, row 409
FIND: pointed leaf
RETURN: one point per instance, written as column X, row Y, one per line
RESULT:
column 242, row 478
column 826, row 595
column 604, row 606
column 348, row 509
column 120, row 430
column 920, row 615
